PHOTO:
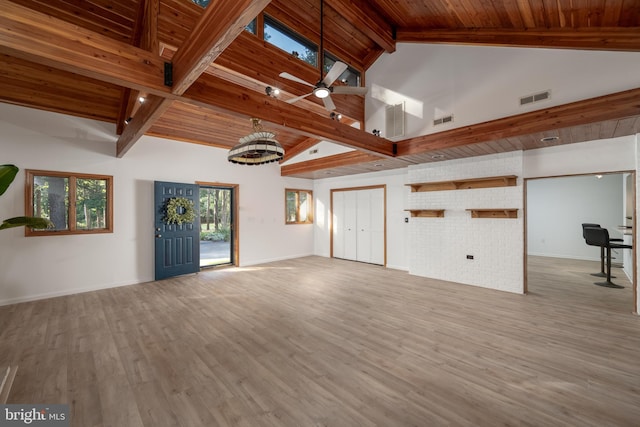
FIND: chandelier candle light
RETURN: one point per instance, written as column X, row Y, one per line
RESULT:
column 257, row 148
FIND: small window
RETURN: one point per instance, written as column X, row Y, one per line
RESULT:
column 350, row 76
column 287, row 40
column 252, row 27
column 202, row 3
column 74, row 203
column 299, row 206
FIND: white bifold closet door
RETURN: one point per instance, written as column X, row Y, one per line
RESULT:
column 358, row 225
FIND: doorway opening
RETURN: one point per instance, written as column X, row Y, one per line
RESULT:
column 218, row 242
column 558, row 261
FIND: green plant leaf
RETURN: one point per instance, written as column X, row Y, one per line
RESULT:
column 7, row 175
column 27, row 221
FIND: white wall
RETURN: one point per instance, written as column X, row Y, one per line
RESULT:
column 37, row 267
column 604, row 155
column 556, row 208
column 610, row 155
column 397, row 229
column 478, row 84
column 438, row 247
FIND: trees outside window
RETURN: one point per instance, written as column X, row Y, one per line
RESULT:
column 298, row 206
column 74, row 203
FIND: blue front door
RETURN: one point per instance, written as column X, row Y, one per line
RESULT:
column 177, row 245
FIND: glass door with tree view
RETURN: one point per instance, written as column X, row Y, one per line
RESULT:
column 216, row 225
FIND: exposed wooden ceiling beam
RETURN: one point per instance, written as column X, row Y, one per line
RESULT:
column 306, row 144
column 36, row 37
column 224, row 96
column 152, row 109
column 41, row 39
column 614, row 106
column 219, row 25
column 367, row 20
column 618, row 39
column 145, row 36
column 337, row 160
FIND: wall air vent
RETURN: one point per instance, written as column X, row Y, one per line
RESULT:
column 529, row 99
column 442, row 120
column 394, row 120
column 313, row 151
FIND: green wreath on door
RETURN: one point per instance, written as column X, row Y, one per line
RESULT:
column 179, row 210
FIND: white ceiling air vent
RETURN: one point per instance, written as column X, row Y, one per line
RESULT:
column 313, row 151
column 442, row 120
column 529, row 99
column 394, row 120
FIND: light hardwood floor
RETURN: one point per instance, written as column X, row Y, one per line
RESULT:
column 322, row 342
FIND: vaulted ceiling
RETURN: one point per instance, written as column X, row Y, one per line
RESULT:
column 95, row 58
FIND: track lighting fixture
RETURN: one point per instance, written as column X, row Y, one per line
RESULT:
column 142, row 99
column 376, row 132
column 128, row 120
column 335, row 116
column 272, row 91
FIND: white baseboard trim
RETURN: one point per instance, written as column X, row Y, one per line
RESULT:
column 398, row 267
column 580, row 258
column 46, row 295
column 268, row 260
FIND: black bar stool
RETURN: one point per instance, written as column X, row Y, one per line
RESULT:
column 597, row 236
column 602, row 253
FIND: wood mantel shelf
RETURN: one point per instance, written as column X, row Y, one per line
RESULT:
column 494, row 213
column 426, row 213
column 464, row 184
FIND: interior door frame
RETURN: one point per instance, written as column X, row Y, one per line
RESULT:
column 634, row 256
column 235, row 225
column 368, row 187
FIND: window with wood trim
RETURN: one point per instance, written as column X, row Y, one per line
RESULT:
column 350, row 76
column 298, row 206
column 75, row 203
column 288, row 40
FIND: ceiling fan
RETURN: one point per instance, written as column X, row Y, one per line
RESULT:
column 323, row 89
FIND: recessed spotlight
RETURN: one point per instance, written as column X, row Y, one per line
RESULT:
column 599, row 176
column 272, row 91
column 549, row 138
column 378, row 165
column 438, row 156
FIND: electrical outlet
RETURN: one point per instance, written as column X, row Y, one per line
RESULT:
column 469, row 256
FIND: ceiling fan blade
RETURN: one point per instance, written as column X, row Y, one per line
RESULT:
column 335, row 71
column 295, row 79
column 328, row 103
column 349, row 90
column 297, row 98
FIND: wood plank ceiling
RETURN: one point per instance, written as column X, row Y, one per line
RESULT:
column 93, row 58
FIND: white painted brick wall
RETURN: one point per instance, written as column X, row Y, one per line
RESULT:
column 438, row 246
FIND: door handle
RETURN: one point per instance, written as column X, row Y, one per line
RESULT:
column 158, row 236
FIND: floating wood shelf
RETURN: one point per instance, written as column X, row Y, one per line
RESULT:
column 464, row 184
column 426, row 213
column 493, row 213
